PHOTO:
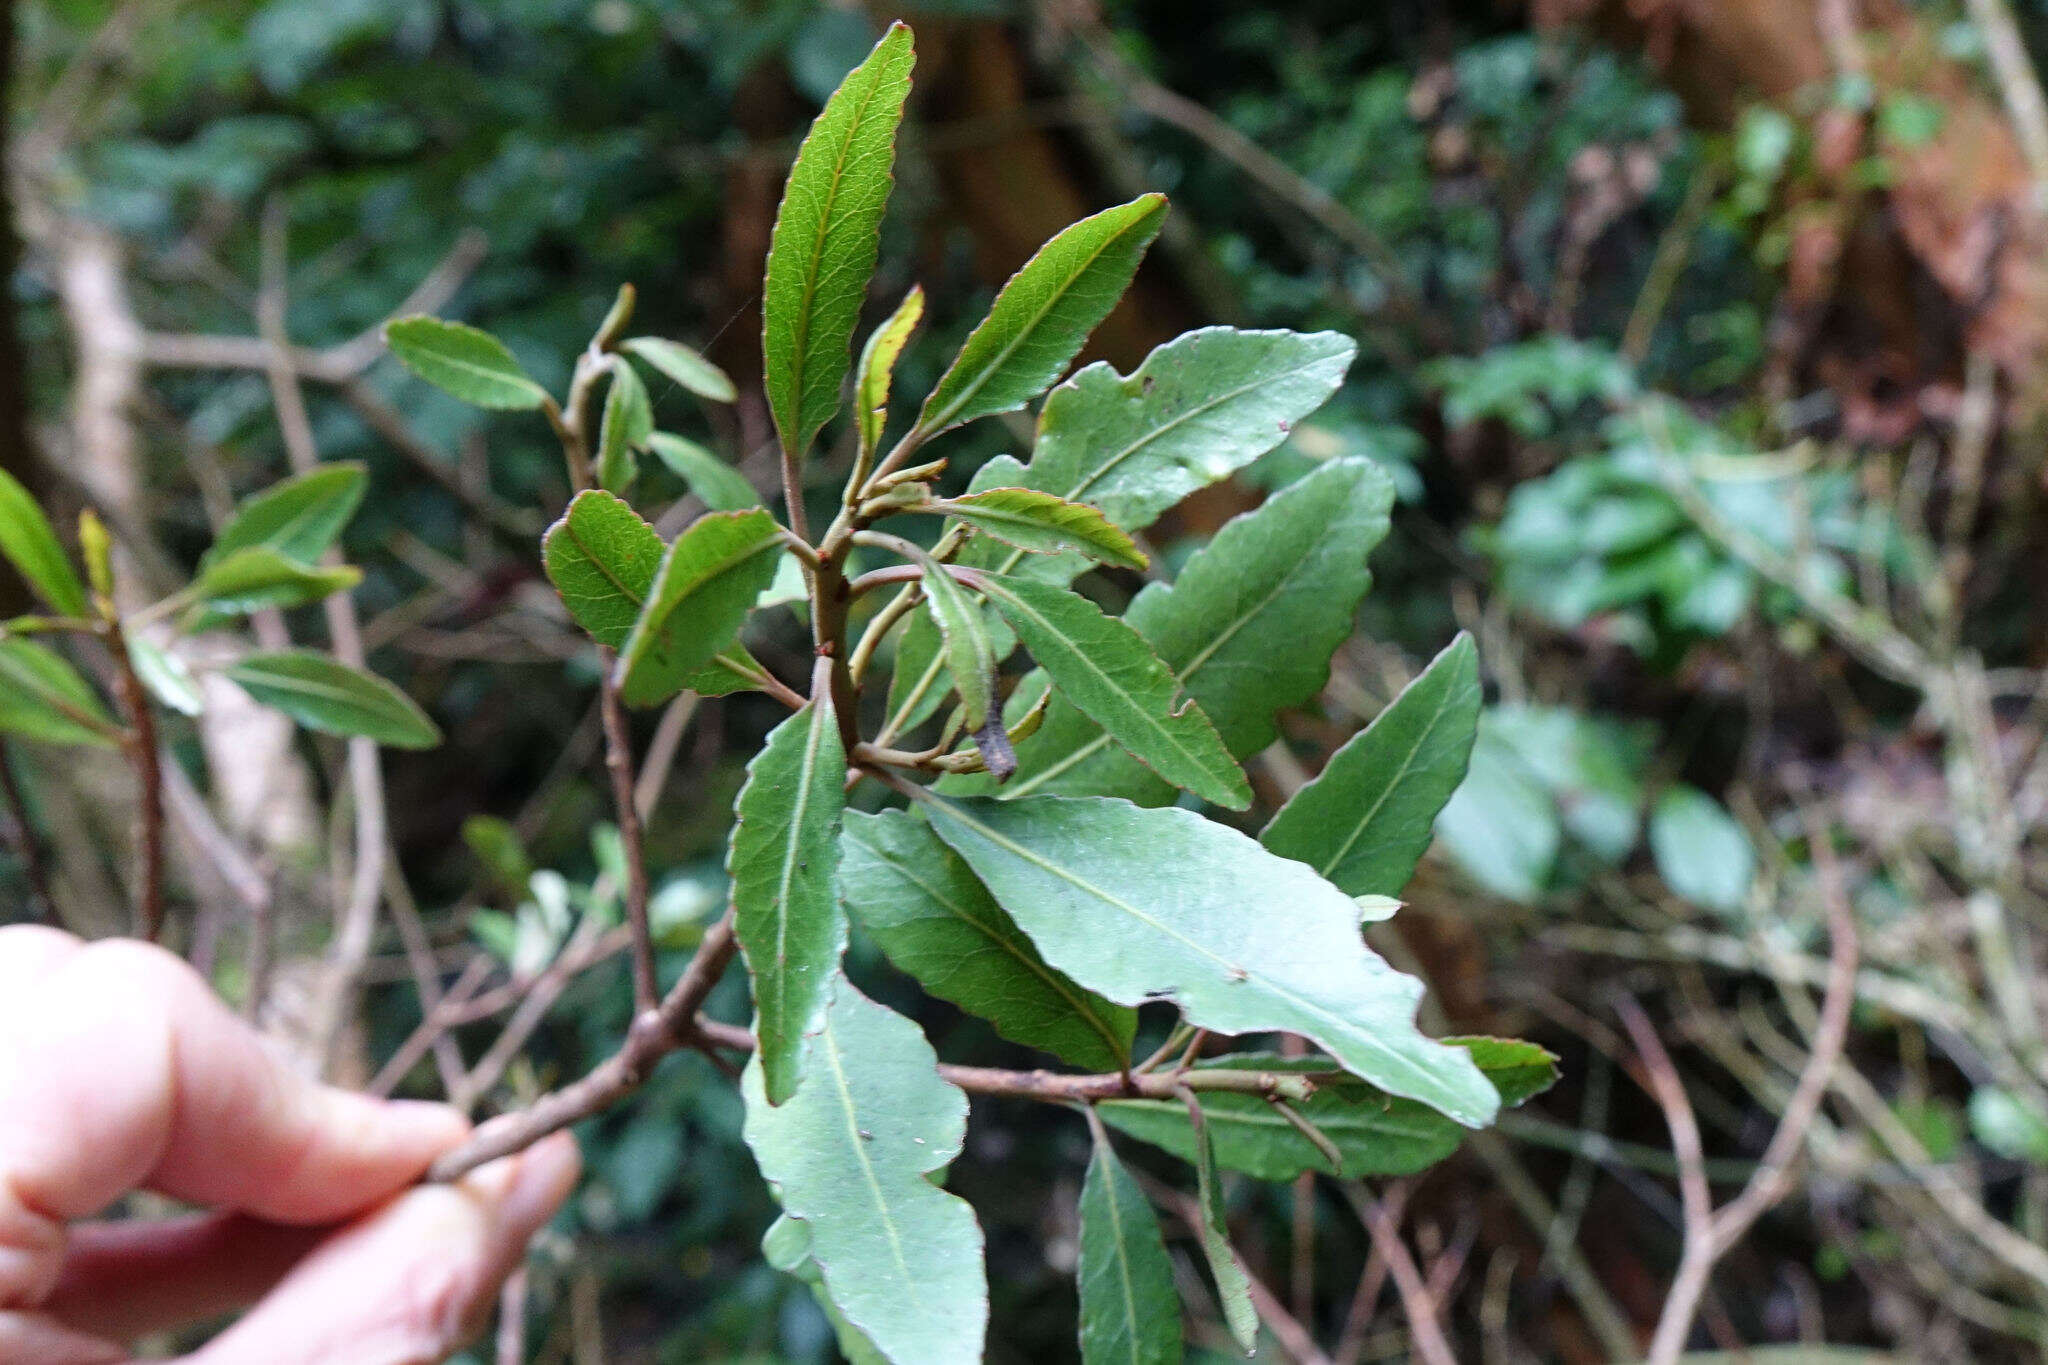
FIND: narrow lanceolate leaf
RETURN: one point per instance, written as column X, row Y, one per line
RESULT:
column 1248, row 628
column 1139, row 904
column 628, row 422
column 257, row 577
column 784, row 863
column 165, row 676
column 827, row 234
column 601, row 556
column 1043, row 315
column 937, row 923
column 673, row 360
column 463, row 361
column 703, row 590
column 1365, row 821
column 1043, row 523
column 325, row 694
column 1130, row 1311
column 1112, row 676
column 1233, row 1286
column 299, row 517
column 850, row 1155
column 42, row 697
column 30, row 544
column 969, row 650
column 717, row 484
column 1373, row 1132
column 1200, row 408
column 878, row 366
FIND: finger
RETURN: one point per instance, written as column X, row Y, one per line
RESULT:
column 122, row 1280
column 44, row 1340
column 412, row 1282
column 123, row 1070
column 30, row 952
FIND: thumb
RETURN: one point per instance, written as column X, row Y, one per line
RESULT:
column 412, row 1282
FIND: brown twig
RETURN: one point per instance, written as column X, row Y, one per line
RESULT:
column 1709, row 1235
column 1425, row 1332
column 149, row 781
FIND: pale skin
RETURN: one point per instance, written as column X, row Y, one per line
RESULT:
column 120, row 1071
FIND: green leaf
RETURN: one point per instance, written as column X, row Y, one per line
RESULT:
column 1112, row 676
column 42, row 697
column 1248, row 628
column 164, row 675
column 2009, row 1126
column 299, row 517
column 850, row 1156
column 878, row 365
column 602, row 556
column 1200, row 408
column 1365, row 821
column 1233, row 1286
column 31, row 546
column 1130, row 1311
column 925, row 908
column 685, row 366
column 827, row 234
column 969, row 650
column 1043, row 523
column 784, row 865
column 1043, row 315
column 627, row 424
column 1375, row 1133
column 464, row 361
column 1702, row 852
column 1501, row 826
column 703, row 590
column 257, row 577
column 327, row 695
column 1139, row 904
column 717, row 484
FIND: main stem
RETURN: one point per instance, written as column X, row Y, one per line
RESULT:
column 149, row 776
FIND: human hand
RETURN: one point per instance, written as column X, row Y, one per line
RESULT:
column 120, row 1070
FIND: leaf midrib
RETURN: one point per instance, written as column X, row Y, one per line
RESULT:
column 1387, row 790
column 1058, row 983
column 1343, row 1026
column 858, row 1145
column 1150, row 721
column 1123, row 1257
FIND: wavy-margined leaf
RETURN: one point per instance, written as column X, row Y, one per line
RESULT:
column 325, row 694
column 1130, row 1311
column 850, row 1156
column 1248, row 628
column 299, row 517
column 1139, row 904
column 627, row 423
column 684, row 365
column 717, row 484
column 463, row 361
column 784, row 864
column 257, row 577
column 1044, row 524
column 705, row 587
column 1112, row 676
column 1233, row 1286
column 1365, row 821
column 1201, row 407
column 827, row 235
column 786, row 1246
column 1375, row 1133
column 30, row 544
column 878, row 366
column 937, row 923
column 42, row 697
column 1042, row 316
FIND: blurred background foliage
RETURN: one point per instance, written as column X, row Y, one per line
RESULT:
column 1704, row 343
